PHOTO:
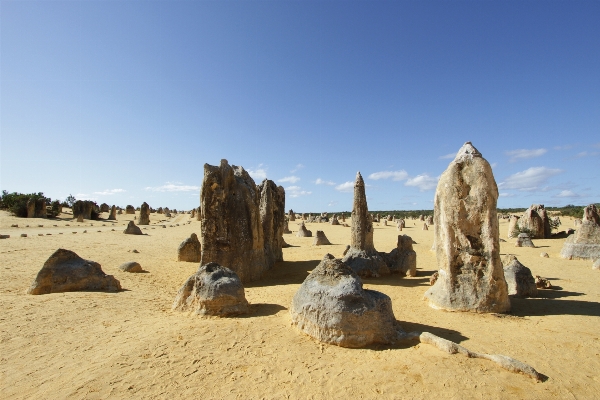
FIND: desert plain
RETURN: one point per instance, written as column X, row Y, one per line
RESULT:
column 129, row 344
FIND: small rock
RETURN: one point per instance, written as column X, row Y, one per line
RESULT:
column 40, row 234
column 14, row 226
column 545, row 255
column 23, row 235
column 131, row 266
column 85, row 231
column 4, row 236
column 542, row 283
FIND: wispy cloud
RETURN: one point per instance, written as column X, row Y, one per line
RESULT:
column 296, row 191
column 567, row 193
column 394, row 175
column 109, row 192
column 290, row 179
column 345, row 187
column 494, row 165
column 587, row 154
column 530, row 179
column 524, row 154
column 173, row 187
column 424, row 182
column 298, row 167
column 259, row 173
column 332, row 203
column 565, row 147
column 505, row 194
column 84, row 196
column 448, row 156
column 320, row 181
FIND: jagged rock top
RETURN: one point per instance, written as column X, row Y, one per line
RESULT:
column 467, row 152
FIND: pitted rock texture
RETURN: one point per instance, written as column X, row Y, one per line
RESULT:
column 332, row 307
column 467, row 243
column 189, row 250
column 519, row 278
column 65, row 271
column 132, row 229
column 212, row 291
column 585, row 242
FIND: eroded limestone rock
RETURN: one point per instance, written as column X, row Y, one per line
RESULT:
column 302, row 231
column 467, row 243
column 189, row 250
column 65, row 271
column 518, row 277
column 403, row 259
column 132, row 229
column 212, row 291
column 320, row 239
column 144, row 218
column 523, row 240
column 585, row 242
column 131, row 266
column 113, row 214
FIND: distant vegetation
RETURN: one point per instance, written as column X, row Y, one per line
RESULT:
column 16, row 203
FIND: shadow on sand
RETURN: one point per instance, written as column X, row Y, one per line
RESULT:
column 551, row 302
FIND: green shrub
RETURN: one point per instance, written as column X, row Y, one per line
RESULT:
column 16, row 203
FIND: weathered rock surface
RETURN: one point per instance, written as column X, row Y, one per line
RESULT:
column 334, row 220
column 523, row 240
column 113, row 214
column 513, row 224
column 362, row 256
column 535, row 219
column 212, row 291
column 83, row 209
column 291, row 215
column 65, row 271
column 131, row 266
column 320, row 239
column 132, row 229
column 236, row 215
column 36, row 208
column 403, row 259
column 467, row 243
column 585, row 242
column 332, row 307
column 189, row 250
column 144, row 218
column 104, row 207
column 519, row 278
column 302, row 231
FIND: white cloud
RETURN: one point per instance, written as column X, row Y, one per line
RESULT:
column 424, row 182
column 296, row 191
column 173, row 187
column 320, row 181
column 290, row 179
column 395, row 175
column 109, row 192
column 345, row 187
column 567, row 193
column 587, row 154
column 530, row 179
column 494, row 165
column 332, row 203
column 565, row 147
column 505, row 194
column 83, row 196
column 523, row 154
column 449, row 156
column 297, row 168
column 258, row 174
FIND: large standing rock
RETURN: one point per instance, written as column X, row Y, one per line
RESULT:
column 113, row 214
column 144, row 218
column 471, row 277
column 132, row 229
column 332, row 307
column 213, row 290
column 513, row 224
column 104, row 207
column 129, row 209
column 36, row 208
column 189, row 250
column 272, row 219
column 83, row 208
column 286, row 228
column 535, row 219
column 320, row 239
column 235, row 219
column 518, row 277
column 403, row 259
column 302, row 231
column 362, row 257
column 65, row 271
column 291, row 215
column 585, row 242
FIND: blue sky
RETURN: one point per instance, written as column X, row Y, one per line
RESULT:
column 124, row 101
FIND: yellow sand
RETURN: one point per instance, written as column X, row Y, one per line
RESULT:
column 130, row 345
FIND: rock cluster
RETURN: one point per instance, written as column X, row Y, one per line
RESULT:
column 189, row 250
column 467, row 243
column 65, row 271
column 242, row 223
column 212, row 291
column 585, row 242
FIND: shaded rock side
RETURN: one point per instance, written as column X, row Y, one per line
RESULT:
column 132, row 229
column 320, row 239
column 467, row 243
column 332, row 307
column 189, row 250
column 232, row 234
column 585, row 242
column 65, row 271
column 272, row 219
column 403, row 259
column 144, row 218
column 519, row 278
column 212, row 291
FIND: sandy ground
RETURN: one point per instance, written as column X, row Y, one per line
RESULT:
column 129, row 344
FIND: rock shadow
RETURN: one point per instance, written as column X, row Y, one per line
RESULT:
column 285, row 273
column 539, row 306
column 448, row 334
column 263, row 310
